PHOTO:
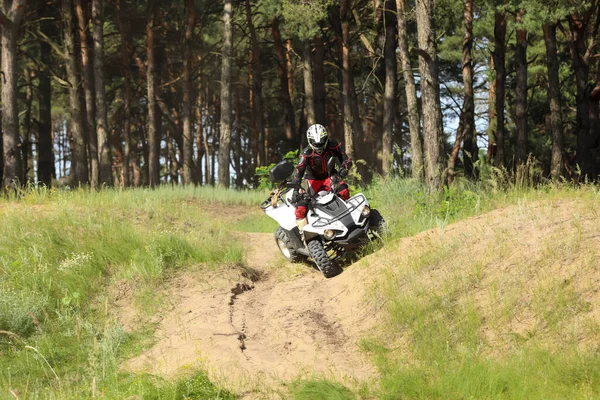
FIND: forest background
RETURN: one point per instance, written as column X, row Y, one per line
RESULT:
column 136, row 93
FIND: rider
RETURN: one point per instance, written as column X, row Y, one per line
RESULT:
column 313, row 163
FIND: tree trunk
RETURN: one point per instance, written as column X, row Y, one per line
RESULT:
column 554, row 96
column 79, row 161
column 466, row 127
column 455, row 149
column 319, row 81
column 389, row 98
column 88, row 86
column 290, row 123
column 126, row 49
column 499, row 57
column 346, row 78
column 104, row 156
column 470, row 150
column 491, row 151
column 207, row 154
column 358, row 133
column 12, row 170
column 45, row 145
column 253, row 135
column 257, row 100
column 27, row 149
column 225, row 137
column 145, row 150
column 1, row 157
column 416, row 146
column 309, row 92
column 199, row 135
column 214, row 133
column 237, row 143
column 188, row 135
column 595, row 126
column 521, row 89
column 172, row 155
column 581, row 67
column 432, row 116
column 153, row 139
column 290, row 68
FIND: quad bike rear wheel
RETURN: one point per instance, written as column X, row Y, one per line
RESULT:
column 318, row 253
column 283, row 242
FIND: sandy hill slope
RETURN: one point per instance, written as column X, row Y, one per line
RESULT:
column 530, row 270
column 262, row 329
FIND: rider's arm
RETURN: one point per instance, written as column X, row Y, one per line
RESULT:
column 339, row 152
column 299, row 171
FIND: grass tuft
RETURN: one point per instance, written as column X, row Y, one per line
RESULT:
column 320, row 389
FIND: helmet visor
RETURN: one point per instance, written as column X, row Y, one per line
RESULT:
column 318, row 145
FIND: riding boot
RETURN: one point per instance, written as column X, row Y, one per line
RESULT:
column 301, row 223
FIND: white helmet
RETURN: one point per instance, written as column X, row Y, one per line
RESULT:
column 317, row 137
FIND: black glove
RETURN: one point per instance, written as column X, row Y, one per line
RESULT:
column 296, row 197
column 343, row 173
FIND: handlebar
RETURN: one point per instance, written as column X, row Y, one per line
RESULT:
column 335, row 182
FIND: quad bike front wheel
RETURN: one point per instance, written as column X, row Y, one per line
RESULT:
column 318, row 253
column 283, row 242
column 377, row 224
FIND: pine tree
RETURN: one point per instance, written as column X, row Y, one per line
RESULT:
column 225, row 139
column 11, row 15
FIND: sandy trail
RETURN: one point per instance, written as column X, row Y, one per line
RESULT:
column 257, row 335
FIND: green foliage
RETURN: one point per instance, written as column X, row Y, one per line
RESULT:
column 263, row 172
column 301, row 18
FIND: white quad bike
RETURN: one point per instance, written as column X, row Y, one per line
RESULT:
column 335, row 227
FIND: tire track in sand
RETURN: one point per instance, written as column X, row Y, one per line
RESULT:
column 261, row 334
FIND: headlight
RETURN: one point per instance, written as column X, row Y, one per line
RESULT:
column 329, row 234
column 365, row 212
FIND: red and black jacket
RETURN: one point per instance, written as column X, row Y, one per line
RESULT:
column 313, row 165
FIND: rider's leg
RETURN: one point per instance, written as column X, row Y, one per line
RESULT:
column 301, row 209
column 317, row 185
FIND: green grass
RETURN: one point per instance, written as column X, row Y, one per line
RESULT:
column 320, row 389
column 532, row 373
column 257, row 223
column 137, row 196
column 59, row 251
column 409, row 208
